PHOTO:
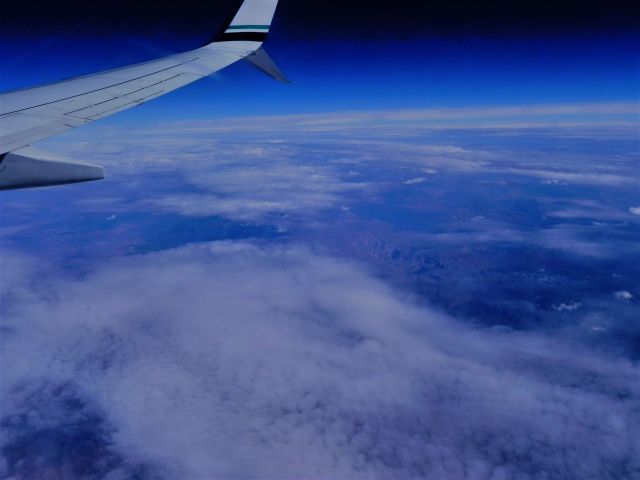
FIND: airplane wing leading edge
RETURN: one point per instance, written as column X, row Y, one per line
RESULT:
column 33, row 114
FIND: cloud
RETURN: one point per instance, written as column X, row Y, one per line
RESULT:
column 570, row 239
column 574, row 240
column 623, row 295
column 234, row 360
column 415, row 181
column 586, row 178
column 634, row 210
column 244, row 181
column 524, row 116
column 255, row 189
column 567, row 307
column 299, row 164
column 589, row 209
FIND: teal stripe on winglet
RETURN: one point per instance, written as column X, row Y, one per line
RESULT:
column 248, row 27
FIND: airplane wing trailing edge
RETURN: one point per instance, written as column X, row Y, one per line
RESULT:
column 33, row 114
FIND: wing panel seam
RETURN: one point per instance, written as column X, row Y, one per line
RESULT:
column 123, row 95
column 99, row 89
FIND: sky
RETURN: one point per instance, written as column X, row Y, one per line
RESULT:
column 346, row 55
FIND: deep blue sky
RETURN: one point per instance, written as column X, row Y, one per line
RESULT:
column 345, row 55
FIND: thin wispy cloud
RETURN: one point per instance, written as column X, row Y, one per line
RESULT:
column 525, row 116
column 256, row 189
column 590, row 209
column 415, row 181
column 585, row 178
column 572, row 240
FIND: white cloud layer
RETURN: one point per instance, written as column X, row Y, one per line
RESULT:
column 253, row 190
column 230, row 360
column 523, row 116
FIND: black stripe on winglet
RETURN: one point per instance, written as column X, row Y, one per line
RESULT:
column 243, row 37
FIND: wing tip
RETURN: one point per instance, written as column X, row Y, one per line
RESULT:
column 250, row 23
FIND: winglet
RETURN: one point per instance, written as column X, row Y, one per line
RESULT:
column 251, row 23
column 261, row 60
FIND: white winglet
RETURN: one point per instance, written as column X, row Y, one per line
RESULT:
column 252, row 22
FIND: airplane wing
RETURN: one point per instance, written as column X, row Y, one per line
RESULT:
column 33, row 114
